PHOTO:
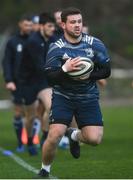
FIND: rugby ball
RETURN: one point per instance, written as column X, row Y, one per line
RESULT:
column 86, row 67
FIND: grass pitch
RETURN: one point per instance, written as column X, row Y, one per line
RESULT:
column 112, row 159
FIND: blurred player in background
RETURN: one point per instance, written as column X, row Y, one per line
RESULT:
column 70, row 97
column 59, row 31
column 57, row 16
column 38, row 105
column 33, row 78
column 35, row 25
column 85, row 29
column 11, row 68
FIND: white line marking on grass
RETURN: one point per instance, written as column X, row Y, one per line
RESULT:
column 22, row 163
column 5, row 104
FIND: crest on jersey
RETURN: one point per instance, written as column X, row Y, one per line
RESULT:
column 42, row 44
column 19, row 48
column 89, row 52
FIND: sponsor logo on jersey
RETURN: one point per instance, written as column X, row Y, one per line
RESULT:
column 89, row 52
column 42, row 44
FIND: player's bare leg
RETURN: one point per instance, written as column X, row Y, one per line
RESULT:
column 18, row 110
column 39, row 109
column 73, row 123
column 45, row 97
column 29, row 114
column 56, row 131
column 91, row 135
column 64, row 143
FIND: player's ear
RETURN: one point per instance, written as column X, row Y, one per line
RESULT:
column 20, row 24
column 41, row 27
column 63, row 25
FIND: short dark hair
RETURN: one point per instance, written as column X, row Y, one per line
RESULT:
column 69, row 11
column 24, row 17
column 58, row 10
column 45, row 18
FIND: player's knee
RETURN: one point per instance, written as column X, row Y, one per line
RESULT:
column 54, row 137
column 29, row 119
column 47, row 109
column 18, row 112
column 93, row 139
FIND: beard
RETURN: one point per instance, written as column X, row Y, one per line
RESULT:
column 73, row 35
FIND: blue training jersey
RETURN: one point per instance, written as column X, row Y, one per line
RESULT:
column 61, row 50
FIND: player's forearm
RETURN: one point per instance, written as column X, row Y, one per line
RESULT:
column 55, row 75
column 102, row 73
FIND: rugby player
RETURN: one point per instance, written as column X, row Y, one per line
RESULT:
column 11, row 67
column 38, row 105
column 35, row 25
column 71, row 97
column 58, row 31
column 33, row 78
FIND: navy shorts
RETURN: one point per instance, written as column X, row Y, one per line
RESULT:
column 86, row 111
column 30, row 92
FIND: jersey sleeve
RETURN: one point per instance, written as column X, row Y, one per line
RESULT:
column 53, row 66
column 54, row 58
column 7, row 62
column 102, row 68
column 101, row 53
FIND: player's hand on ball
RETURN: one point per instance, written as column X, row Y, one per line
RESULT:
column 72, row 64
column 11, row 86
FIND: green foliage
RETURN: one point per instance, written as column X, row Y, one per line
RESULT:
column 110, row 20
column 129, row 50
